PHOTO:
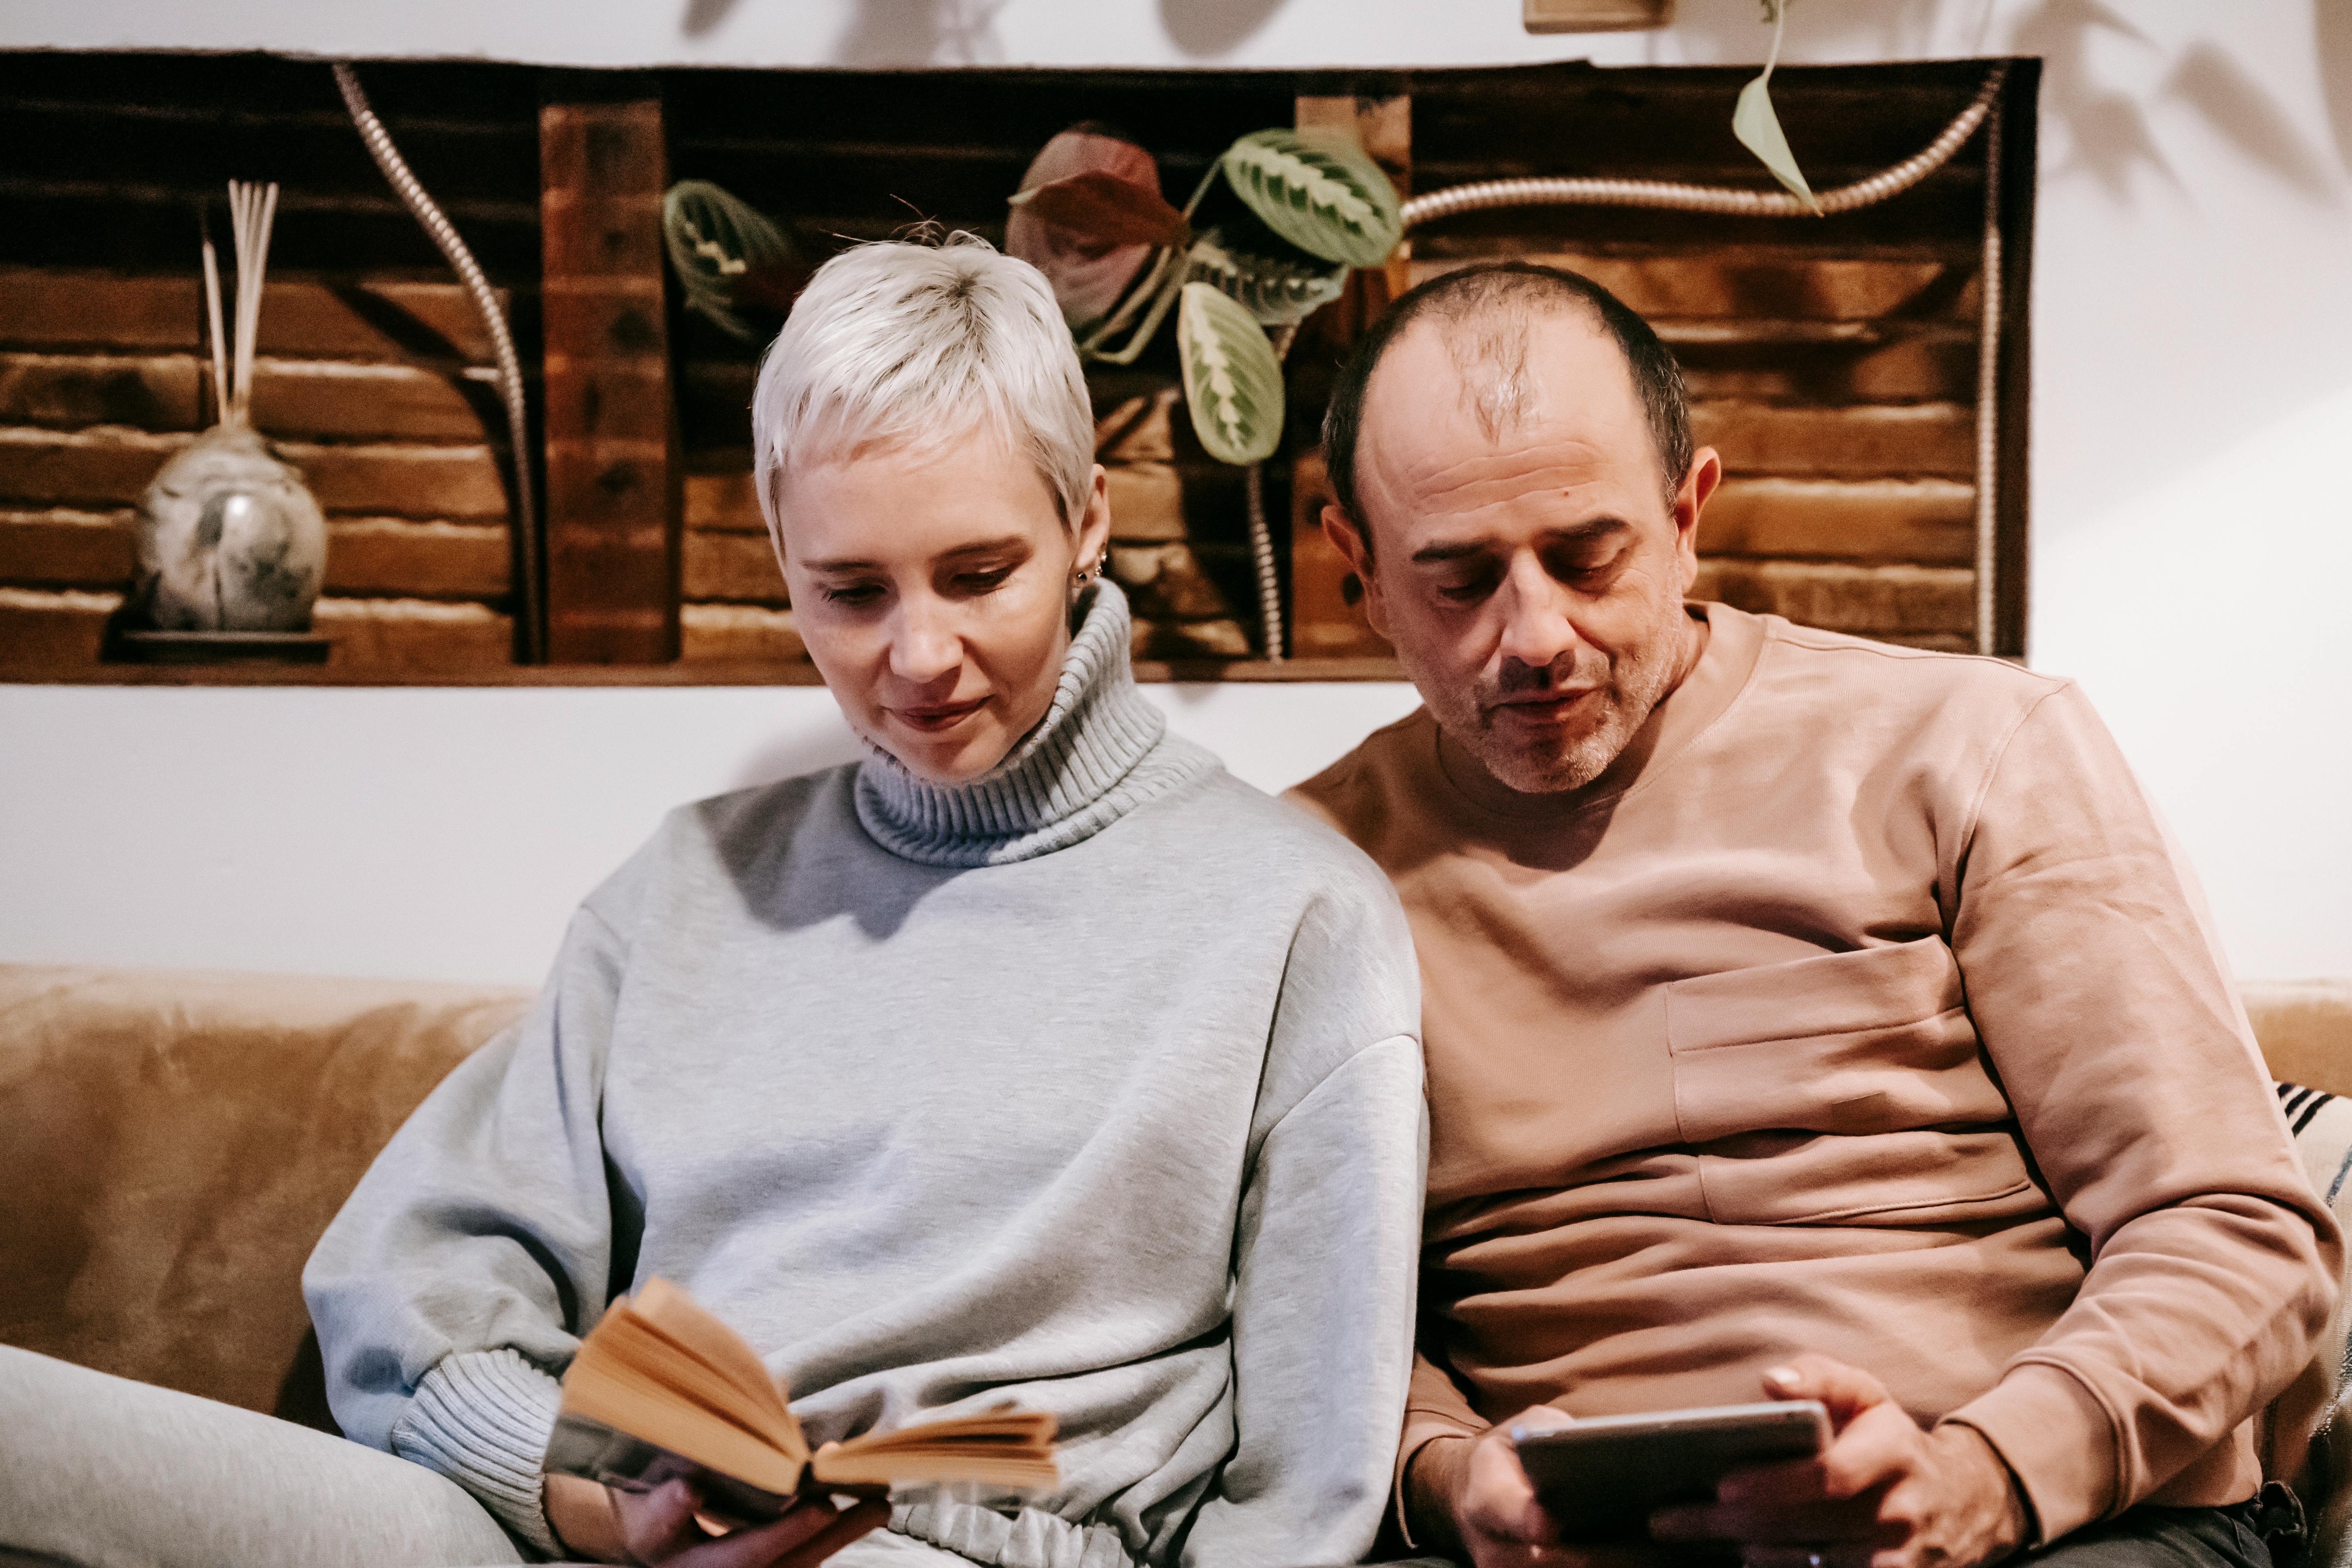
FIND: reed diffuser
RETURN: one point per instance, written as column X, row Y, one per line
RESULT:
column 230, row 540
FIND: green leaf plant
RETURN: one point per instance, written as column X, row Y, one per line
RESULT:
column 1233, row 382
column 1758, row 129
column 1269, row 233
column 728, row 256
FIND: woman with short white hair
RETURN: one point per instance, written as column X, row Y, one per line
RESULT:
column 1032, row 1059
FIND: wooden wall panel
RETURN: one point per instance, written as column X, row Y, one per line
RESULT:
column 1831, row 363
column 612, row 478
column 373, row 374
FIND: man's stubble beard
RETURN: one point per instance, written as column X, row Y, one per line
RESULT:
column 1631, row 689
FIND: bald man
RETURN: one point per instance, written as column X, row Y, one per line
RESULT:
column 1806, row 1017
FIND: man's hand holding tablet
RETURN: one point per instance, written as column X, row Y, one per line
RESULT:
column 1882, row 1492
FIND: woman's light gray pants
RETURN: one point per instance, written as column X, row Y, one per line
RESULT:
column 102, row 1472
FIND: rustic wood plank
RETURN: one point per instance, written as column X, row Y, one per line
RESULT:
column 1326, row 619
column 375, row 319
column 63, row 548
column 1924, row 521
column 384, row 555
column 105, row 468
column 738, row 634
column 1739, row 284
column 1754, row 438
column 1147, row 500
column 109, row 467
column 55, row 629
column 332, row 399
column 1927, row 363
column 613, row 499
column 375, row 637
column 741, row 567
column 1189, row 640
column 416, row 637
column 69, row 391
column 722, row 503
column 1137, row 429
column 1866, row 600
column 455, row 484
column 1164, row 582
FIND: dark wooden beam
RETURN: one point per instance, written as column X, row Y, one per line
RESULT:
column 2013, row 474
column 613, row 476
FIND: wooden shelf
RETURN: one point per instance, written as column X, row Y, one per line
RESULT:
column 1157, row 672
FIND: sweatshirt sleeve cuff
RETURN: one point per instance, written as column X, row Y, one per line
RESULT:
column 1422, row 1427
column 2056, row 1439
column 483, row 1419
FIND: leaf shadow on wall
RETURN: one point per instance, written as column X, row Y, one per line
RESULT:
column 890, row 32
column 2240, row 110
column 1207, row 29
column 2332, row 28
column 921, row 32
column 704, row 17
column 2107, row 127
column 2107, row 133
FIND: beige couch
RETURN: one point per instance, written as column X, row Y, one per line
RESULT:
column 175, row 1142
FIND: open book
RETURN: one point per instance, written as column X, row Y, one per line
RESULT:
column 661, row 1389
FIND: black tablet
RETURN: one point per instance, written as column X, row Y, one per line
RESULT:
column 1601, row 1478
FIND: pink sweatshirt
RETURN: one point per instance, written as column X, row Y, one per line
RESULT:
column 1863, row 1007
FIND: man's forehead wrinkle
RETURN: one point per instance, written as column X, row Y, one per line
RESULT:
column 1554, row 462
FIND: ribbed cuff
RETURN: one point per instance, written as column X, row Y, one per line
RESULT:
column 1422, row 1427
column 2057, row 1440
column 483, row 1420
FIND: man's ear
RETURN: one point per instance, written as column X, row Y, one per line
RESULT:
column 1698, row 484
column 1348, row 540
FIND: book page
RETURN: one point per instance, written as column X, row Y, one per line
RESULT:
column 625, row 1337
column 603, row 1389
column 688, row 1324
column 1004, row 1448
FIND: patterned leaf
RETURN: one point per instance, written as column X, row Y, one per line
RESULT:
column 1320, row 192
column 1232, row 382
column 1274, row 291
column 716, row 244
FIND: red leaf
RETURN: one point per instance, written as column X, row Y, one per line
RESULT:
column 1089, row 273
column 1105, row 208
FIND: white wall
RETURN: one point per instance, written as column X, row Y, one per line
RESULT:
column 2193, row 532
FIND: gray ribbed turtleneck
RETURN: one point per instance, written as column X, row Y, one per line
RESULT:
column 1091, row 1084
column 1100, row 752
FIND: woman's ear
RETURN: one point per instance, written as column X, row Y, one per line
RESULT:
column 1094, row 524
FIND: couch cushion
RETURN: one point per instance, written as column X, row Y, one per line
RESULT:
column 175, row 1142
column 2305, row 1029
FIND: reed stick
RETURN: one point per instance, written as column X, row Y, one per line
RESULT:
column 218, row 332
column 252, row 210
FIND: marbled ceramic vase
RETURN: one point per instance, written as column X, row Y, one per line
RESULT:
column 229, row 540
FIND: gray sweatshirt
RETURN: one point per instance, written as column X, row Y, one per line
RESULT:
column 1094, row 1084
